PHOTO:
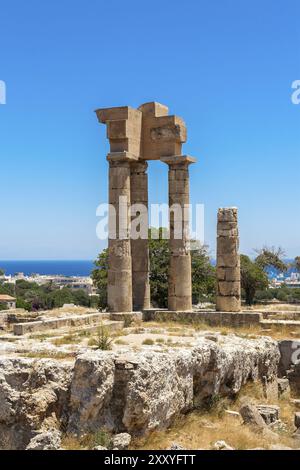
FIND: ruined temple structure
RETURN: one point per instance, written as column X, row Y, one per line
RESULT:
column 135, row 136
column 228, row 261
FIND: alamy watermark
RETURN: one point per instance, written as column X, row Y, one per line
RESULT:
column 123, row 221
column 296, row 93
column 2, row 92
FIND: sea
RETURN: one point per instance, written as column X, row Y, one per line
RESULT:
column 60, row 267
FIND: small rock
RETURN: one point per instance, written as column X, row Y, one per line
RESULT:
column 121, row 441
column 212, row 337
column 269, row 413
column 278, row 426
column 99, row 448
column 297, row 419
column 49, row 440
column 222, row 445
column 296, row 403
column 251, row 416
column 175, row 446
column 283, row 388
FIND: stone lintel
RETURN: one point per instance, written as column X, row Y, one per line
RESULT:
column 121, row 157
column 178, row 160
column 154, row 109
column 118, row 113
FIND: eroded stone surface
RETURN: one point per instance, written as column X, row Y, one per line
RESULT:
column 130, row 392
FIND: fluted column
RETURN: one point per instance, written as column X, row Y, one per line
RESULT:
column 140, row 245
column 180, row 277
column 228, row 261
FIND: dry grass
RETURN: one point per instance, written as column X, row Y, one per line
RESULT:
column 120, row 342
column 68, row 339
column 249, row 332
column 86, row 442
column 148, row 342
column 49, row 355
column 200, row 429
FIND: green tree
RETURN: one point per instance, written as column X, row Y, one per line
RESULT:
column 60, row 297
column 271, row 257
column 80, row 297
column 2, row 272
column 253, row 278
column 159, row 255
column 203, row 273
column 99, row 277
column 296, row 263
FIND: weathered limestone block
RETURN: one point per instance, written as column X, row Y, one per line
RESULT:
column 228, row 304
column 124, row 128
column 91, row 391
column 33, row 396
column 284, row 389
column 161, row 134
column 269, row 413
column 228, row 262
column 47, row 440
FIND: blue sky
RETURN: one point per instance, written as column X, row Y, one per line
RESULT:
column 225, row 66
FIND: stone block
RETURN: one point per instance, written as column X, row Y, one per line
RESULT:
column 297, row 419
column 227, row 261
column 283, row 388
column 227, row 246
column 227, row 214
column 233, row 274
column 228, row 304
column 229, row 288
column 269, row 413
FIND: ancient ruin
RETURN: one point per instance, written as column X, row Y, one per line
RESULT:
column 135, row 136
column 228, row 262
column 72, row 375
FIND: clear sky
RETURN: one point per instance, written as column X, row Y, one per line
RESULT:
column 225, row 66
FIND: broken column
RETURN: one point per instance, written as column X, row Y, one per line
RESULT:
column 180, row 276
column 139, row 239
column 124, row 133
column 228, row 261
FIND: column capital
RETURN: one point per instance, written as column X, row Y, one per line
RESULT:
column 121, row 157
column 178, row 160
column 139, row 166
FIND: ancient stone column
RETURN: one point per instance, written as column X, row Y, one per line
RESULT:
column 180, row 278
column 119, row 288
column 124, row 134
column 140, row 245
column 228, row 261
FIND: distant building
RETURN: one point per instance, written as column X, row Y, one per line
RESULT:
column 8, row 301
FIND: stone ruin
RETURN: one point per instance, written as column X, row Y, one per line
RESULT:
column 228, row 262
column 135, row 136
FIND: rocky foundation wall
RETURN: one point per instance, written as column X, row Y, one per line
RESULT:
column 134, row 392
